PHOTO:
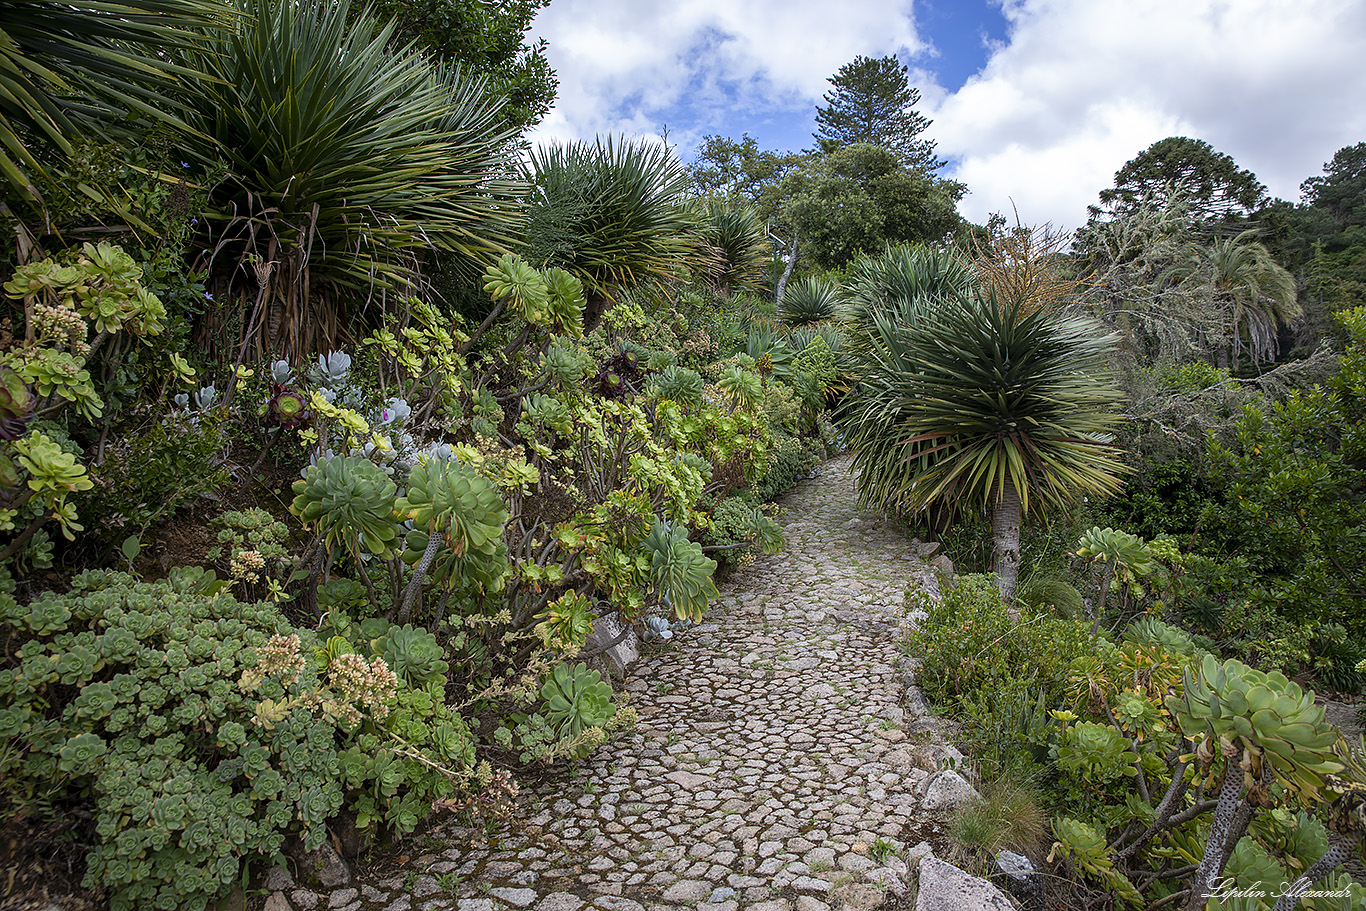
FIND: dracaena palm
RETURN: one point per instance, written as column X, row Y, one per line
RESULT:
column 734, row 246
column 903, row 276
column 964, row 399
column 611, row 213
column 349, row 162
column 1255, row 294
column 75, row 66
column 810, row 300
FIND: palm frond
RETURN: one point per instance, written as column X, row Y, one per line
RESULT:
column 612, row 213
column 79, row 66
column 738, row 246
column 962, row 394
column 347, row 159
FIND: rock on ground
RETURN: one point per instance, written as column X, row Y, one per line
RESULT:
column 944, row 887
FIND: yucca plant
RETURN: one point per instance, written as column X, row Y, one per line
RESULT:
column 810, row 300
column 612, row 214
column 346, row 161
column 72, row 67
column 903, row 276
column 734, row 245
column 967, row 400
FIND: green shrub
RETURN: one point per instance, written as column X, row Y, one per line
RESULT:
column 202, row 731
column 1044, row 594
column 788, row 461
column 735, row 523
column 969, row 644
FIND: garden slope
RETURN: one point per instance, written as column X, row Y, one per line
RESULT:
column 769, row 761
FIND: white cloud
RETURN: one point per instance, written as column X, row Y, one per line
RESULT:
column 626, row 65
column 1078, row 87
column 1081, row 87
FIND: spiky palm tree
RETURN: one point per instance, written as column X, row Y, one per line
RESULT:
column 71, row 67
column 1255, row 293
column 612, row 213
column 734, row 244
column 810, row 300
column 901, row 277
column 347, row 161
column 965, row 399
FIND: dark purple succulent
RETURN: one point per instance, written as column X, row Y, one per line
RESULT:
column 610, row 384
column 16, row 405
column 626, row 364
column 287, row 408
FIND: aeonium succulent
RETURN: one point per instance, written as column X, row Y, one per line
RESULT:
column 350, row 501
column 16, row 404
column 286, row 408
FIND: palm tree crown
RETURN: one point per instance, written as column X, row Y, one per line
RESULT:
column 72, row 66
column 1249, row 288
column 965, row 399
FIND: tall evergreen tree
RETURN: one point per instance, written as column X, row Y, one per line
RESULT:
column 1341, row 191
column 1215, row 191
column 873, row 101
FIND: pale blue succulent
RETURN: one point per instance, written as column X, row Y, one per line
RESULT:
column 657, row 629
column 395, row 411
column 205, row 398
column 332, row 369
column 182, row 400
column 441, row 452
column 282, row 373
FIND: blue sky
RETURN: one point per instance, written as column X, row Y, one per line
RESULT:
column 1036, row 103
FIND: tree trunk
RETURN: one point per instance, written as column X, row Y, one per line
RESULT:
column 594, row 306
column 1005, row 539
column 1222, row 831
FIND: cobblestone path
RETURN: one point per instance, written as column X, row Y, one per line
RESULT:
column 771, row 769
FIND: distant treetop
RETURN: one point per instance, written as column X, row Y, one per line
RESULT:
column 873, row 101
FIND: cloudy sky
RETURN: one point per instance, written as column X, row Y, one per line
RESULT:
column 1035, row 102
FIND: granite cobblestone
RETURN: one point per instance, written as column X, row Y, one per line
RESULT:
column 770, row 758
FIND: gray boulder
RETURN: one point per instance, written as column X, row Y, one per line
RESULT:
column 625, row 651
column 323, row 867
column 947, row 789
column 944, row 887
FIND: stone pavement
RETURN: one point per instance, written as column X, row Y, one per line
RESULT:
column 774, row 767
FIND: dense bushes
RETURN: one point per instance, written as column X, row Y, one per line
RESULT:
column 204, row 731
column 969, row 643
column 1171, row 772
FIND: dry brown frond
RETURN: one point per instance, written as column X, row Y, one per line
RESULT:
column 1026, row 264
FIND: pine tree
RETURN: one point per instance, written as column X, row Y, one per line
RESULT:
column 873, row 101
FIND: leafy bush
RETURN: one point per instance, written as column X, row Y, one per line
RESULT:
column 790, row 459
column 148, row 474
column 734, row 523
column 969, row 644
column 203, row 732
